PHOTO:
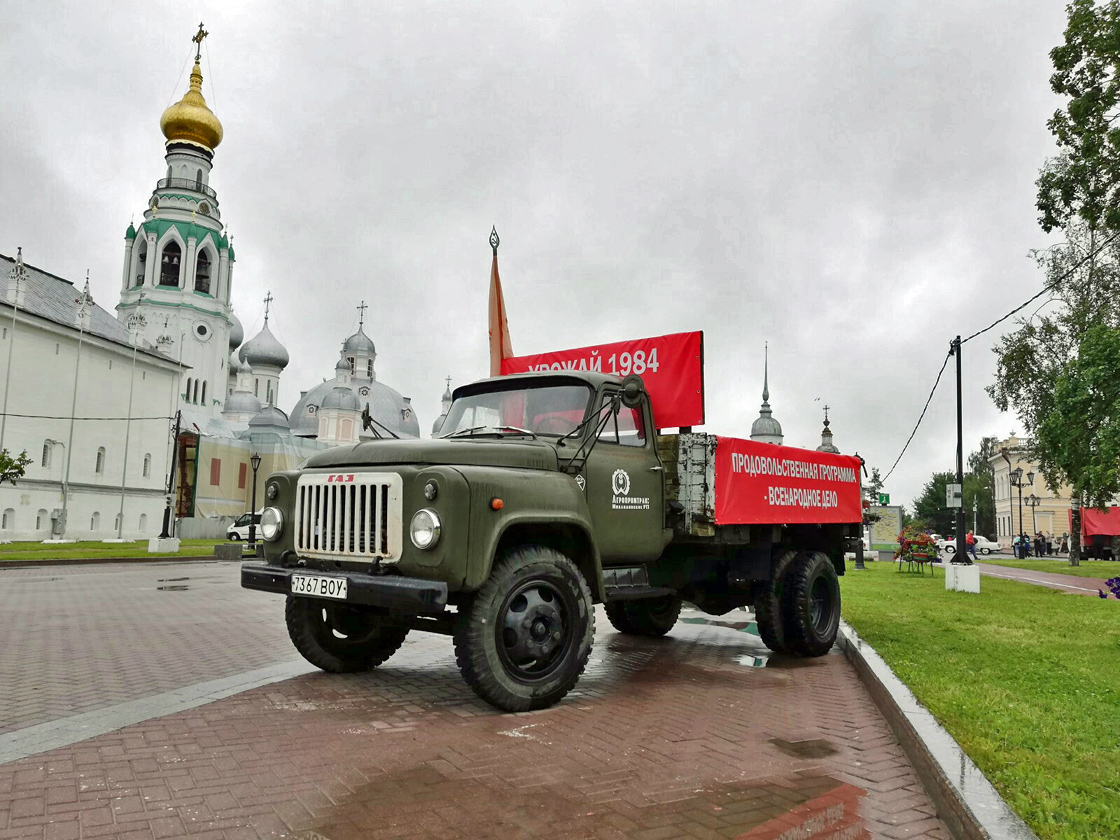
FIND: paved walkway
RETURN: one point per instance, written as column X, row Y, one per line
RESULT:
column 1053, row 580
column 703, row 734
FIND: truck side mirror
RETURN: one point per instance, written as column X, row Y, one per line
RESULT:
column 632, row 390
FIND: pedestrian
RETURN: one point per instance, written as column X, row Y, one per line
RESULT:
column 970, row 544
column 1039, row 543
column 1050, row 544
column 1065, row 543
column 1015, row 546
column 1024, row 547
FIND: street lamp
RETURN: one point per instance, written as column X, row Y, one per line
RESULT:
column 1033, row 502
column 1017, row 481
column 255, row 460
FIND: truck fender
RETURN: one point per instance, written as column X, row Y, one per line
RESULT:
column 569, row 535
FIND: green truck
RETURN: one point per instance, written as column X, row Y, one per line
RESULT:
column 546, row 494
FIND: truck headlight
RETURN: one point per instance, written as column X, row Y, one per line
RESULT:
column 425, row 528
column 272, row 523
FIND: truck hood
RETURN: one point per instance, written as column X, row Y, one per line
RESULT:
column 532, row 455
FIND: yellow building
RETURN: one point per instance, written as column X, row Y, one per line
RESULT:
column 1051, row 512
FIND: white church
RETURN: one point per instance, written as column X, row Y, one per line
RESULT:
column 101, row 437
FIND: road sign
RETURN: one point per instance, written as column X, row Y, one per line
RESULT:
column 953, row 496
column 884, row 499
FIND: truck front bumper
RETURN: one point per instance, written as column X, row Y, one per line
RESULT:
column 400, row 594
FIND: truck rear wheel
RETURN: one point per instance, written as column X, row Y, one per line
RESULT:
column 524, row 639
column 768, row 603
column 811, row 604
column 340, row 638
column 645, row 617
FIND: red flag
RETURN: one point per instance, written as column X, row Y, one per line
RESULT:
column 499, row 328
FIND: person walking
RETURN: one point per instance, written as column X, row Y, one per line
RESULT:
column 1039, row 543
column 1015, row 547
column 970, row 545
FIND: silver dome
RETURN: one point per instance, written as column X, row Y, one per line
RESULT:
column 343, row 366
column 270, row 416
column 236, row 332
column 242, row 402
column 359, row 342
column 264, row 349
column 766, row 425
column 385, row 404
column 343, row 399
column 235, row 364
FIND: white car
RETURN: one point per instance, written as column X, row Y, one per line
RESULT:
column 239, row 530
column 983, row 545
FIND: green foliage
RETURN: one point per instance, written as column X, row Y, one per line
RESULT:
column 1081, row 433
column 1020, row 675
column 929, row 508
column 12, row 468
column 1084, row 182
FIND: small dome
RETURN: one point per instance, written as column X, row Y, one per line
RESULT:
column 359, row 342
column 131, row 232
column 343, row 366
column 189, row 120
column 264, row 349
column 766, row 425
column 270, row 415
column 343, row 399
column 242, row 402
column 236, row 332
column 235, row 364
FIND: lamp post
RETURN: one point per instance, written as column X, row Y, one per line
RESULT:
column 18, row 276
column 255, row 460
column 136, row 322
column 1033, row 502
column 1017, row 481
column 85, row 302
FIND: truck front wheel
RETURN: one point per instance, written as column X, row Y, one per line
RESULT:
column 646, row 617
column 811, row 604
column 340, row 638
column 524, row 639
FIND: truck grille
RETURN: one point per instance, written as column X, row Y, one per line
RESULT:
column 349, row 515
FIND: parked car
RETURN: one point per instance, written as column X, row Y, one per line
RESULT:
column 239, row 530
column 983, row 545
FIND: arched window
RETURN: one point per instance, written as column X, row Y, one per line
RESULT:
column 42, row 521
column 95, row 522
column 369, row 368
column 46, row 454
column 187, row 395
column 169, row 171
column 202, row 273
column 195, row 392
column 204, row 392
column 198, row 180
column 268, row 392
column 99, row 465
column 117, row 523
column 350, row 361
column 141, row 260
column 169, row 265
column 147, row 465
column 256, row 387
column 9, row 520
column 143, row 522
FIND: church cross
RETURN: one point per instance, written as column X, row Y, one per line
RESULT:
column 362, row 313
column 449, row 383
column 202, row 33
column 267, row 303
column 826, row 412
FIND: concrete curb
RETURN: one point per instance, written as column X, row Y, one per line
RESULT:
column 965, row 800
column 63, row 561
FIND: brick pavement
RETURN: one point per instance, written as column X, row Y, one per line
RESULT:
column 681, row 737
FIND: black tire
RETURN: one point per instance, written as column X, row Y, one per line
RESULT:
column 523, row 640
column 645, row 617
column 811, row 606
column 768, row 603
column 233, row 537
column 985, row 551
column 340, row 638
column 950, row 549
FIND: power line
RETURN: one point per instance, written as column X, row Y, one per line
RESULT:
column 923, row 414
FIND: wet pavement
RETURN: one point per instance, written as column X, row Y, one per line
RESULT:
column 703, row 734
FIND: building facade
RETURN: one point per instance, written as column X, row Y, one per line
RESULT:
column 1050, row 515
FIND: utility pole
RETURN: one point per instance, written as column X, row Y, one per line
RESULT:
column 84, row 302
column 166, row 532
column 137, row 322
column 961, row 555
column 18, row 277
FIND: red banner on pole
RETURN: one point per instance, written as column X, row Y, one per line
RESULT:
column 671, row 366
column 760, row 483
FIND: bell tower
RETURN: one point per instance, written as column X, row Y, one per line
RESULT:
column 178, row 263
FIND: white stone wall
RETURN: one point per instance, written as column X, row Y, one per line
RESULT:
column 42, row 383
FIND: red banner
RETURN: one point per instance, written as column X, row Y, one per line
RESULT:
column 760, row 483
column 671, row 366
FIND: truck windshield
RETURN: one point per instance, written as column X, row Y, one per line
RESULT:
column 548, row 410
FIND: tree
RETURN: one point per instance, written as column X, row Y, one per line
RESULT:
column 875, row 486
column 979, row 486
column 930, row 507
column 12, row 468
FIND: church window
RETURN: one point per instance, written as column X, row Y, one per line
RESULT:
column 99, row 464
column 369, row 368
column 216, row 472
column 196, row 392
column 117, row 523
column 198, row 180
column 202, row 273
column 204, row 392
column 41, row 520
column 147, row 465
column 141, row 258
column 46, row 454
column 350, row 360
column 256, row 387
column 56, row 349
column 268, row 391
column 9, row 520
column 187, row 395
column 345, row 428
column 143, row 522
column 169, row 264
column 242, row 475
column 95, row 521
column 169, row 172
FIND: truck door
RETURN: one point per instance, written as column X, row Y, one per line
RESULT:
column 623, row 483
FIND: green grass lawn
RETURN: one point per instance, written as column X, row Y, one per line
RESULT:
column 1103, row 569
column 30, row 551
column 1027, row 679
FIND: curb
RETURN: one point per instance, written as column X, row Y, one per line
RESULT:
column 63, row 561
column 965, row 799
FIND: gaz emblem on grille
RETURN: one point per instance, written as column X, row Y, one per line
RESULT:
column 340, row 479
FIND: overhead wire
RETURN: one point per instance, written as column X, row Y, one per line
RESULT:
column 923, row 414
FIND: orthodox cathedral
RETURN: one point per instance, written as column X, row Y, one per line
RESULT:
column 176, row 325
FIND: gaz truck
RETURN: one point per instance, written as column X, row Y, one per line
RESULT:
column 548, row 493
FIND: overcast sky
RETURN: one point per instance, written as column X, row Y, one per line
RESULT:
column 851, row 181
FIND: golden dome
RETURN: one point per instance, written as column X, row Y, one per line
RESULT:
column 189, row 119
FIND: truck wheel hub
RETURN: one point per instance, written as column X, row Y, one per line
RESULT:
column 532, row 630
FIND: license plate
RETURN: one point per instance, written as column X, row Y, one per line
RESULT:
column 319, row 586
